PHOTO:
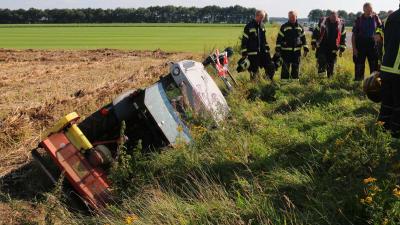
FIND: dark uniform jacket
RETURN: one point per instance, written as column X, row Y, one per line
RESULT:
column 291, row 37
column 391, row 33
column 330, row 36
column 254, row 40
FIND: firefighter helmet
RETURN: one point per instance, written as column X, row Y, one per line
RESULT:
column 229, row 51
column 372, row 87
column 243, row 65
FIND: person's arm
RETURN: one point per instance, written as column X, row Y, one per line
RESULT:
column 279, row 40
column 343, row 38
column 353, row 37
column 304, row 39
column 342, row 46
column 266, row 41
column 245, row 39
column 315, row 36
column 353, row 42
column 379, row 31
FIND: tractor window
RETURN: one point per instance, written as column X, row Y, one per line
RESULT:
column 178, row 97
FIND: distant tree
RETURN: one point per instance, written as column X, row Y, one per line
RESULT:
column 343, row 14
column 155, row 14
column 6, row 16
column 315, row 15
column 383, row 14
column 327, row 12
column 351, row 18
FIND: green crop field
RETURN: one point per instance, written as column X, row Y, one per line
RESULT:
column 169, row 37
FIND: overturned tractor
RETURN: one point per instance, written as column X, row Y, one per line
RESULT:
column 154, row 116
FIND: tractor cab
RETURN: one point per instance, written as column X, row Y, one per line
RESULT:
column 155, row 117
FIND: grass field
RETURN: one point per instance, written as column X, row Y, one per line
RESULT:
column 169, row 37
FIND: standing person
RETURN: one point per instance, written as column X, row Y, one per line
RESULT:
column 256, row 48
column 291, row 39
column 390, row 75
column 364, row 45
column 329, row 38
column 379, row 40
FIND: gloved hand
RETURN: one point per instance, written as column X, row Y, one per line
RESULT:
column 306, row 50
column 378, row 38
column 278, row 51
column 313, row 46
column 341, row 50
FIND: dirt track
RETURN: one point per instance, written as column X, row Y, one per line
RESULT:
column 38, row 87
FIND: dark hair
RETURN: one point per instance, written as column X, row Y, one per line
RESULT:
column 367, row 4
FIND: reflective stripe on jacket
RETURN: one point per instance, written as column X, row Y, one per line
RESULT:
column 254, row 38
column 291, row 37
column 391, row 58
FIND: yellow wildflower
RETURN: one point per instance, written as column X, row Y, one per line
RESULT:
column 339, row 142
column 396, row 192
column 369, row 180
column 199, row 130
column 368, row 200
column 131, row 219
column 179, row 129
column 374, row 188
column 385, row 221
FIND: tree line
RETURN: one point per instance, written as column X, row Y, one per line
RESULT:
column 156, row 14
column 316, row 14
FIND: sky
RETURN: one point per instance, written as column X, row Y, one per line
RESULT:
column 275, row 8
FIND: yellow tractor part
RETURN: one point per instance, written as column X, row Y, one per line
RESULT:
column 68, row 125
column 63, row 122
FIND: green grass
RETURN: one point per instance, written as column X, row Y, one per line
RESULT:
column 168, row 37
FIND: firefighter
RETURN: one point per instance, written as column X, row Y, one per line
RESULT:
column 291, row 39
column 364, row 44
column 255, row 47
column 390, row 75
column 379, row 40
column 328, row 39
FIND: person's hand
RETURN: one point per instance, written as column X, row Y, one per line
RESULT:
column 378, row 38
column 278, row 51
column 313, row 46
column 355, row 51
column 341, row 50
column 306, row 50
